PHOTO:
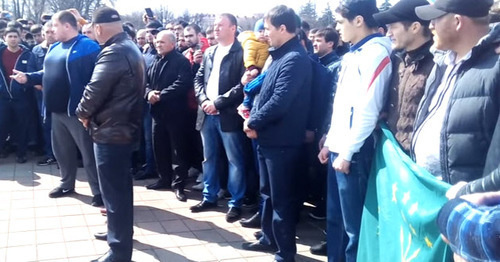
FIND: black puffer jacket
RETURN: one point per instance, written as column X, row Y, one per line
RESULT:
column 472, row 112
column 230, row 88
column 491, row 180
column 113, row 98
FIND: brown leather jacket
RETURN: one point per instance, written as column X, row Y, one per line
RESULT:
column 113, row 99
column 410, row 72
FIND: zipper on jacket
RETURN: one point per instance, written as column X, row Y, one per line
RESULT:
column 8, row 87
column 15, row 65
column 69, row 76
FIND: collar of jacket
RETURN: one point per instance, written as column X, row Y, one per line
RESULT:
column 236, row 46
column 491, row 40
column 329, row 58
column 4, row 47
column 417, row 55
column 116, row 38
column 285, row 48
column 167, row 56
column 359, row 44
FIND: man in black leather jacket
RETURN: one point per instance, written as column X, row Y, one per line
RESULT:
column 111, row 107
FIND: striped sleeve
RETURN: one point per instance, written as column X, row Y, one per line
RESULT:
column 473, row 232
column 375, row 72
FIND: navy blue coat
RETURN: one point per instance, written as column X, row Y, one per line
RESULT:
column 281, row 114
column 14, row 90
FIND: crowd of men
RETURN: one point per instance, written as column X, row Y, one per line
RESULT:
column 274, row 117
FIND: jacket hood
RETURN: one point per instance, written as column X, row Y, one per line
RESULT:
column 494, row 35
column 3, row 46
column 383, row 41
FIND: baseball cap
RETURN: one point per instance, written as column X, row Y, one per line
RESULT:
column 364, row 7
column 105, row 15
column 404, row 10
column 470, row 8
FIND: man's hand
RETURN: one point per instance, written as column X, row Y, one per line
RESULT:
column 341, row 165
column 19, row 76
column 85, row 122
column 38, row 87
column 309, row 136
column 486, row 199
column 248, row 76
column 75, row 12
column 452, row 192
column 323, row 155
column 154, row 97
column 321, row 143
column 252, row 134
column 209, row 107
column 198, row 57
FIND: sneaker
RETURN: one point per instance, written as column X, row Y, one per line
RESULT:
column 47, row 161
column 59, row 192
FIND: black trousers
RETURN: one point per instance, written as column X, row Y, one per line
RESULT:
column 170, row 137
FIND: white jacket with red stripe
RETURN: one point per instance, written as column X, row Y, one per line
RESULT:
column 364, row 76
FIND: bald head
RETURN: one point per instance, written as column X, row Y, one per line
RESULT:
column 104, row 31
column 141, row 37
column 165, row 42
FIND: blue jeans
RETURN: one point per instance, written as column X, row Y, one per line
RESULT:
column 345, row 200
column 115, row 180
column 215, row 140
column 278, row 188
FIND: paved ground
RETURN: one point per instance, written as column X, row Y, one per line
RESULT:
column 34, row 227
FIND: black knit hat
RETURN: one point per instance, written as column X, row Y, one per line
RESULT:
column 105, row 15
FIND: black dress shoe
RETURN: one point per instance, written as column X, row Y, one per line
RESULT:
column 198, row 187
column 97, row 201
column 21, row 159
column 258, row 235
column 59, row 192
column 180, row 195
column 257, row 246
column 319, row 249
column 233, row 214
column 252, row 222
column 101, row 235
column 108, row 257
column 160, row 184
column 203, row 206
column 141, row 175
